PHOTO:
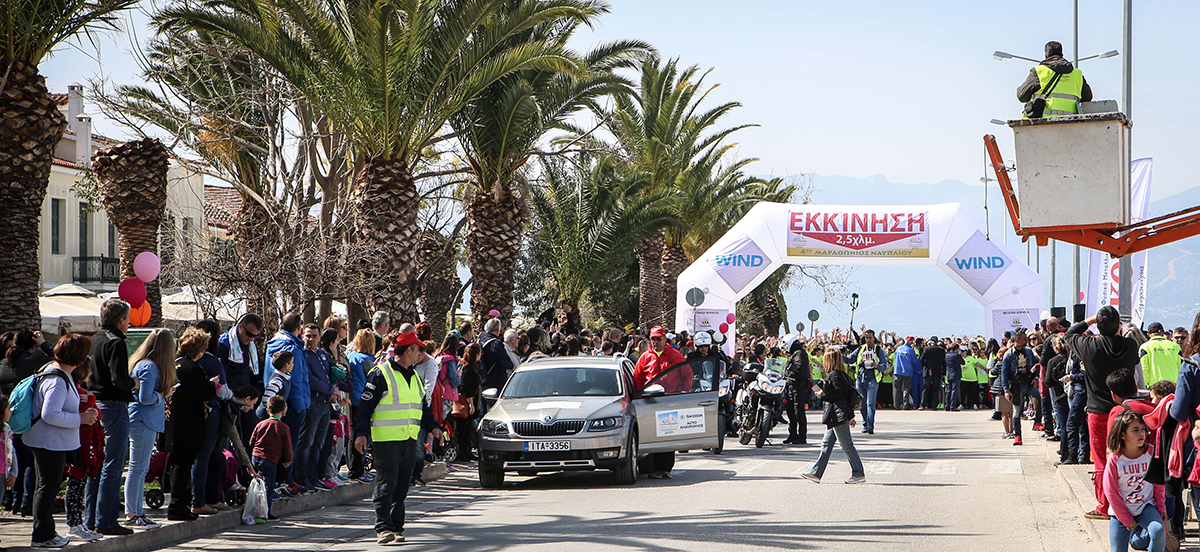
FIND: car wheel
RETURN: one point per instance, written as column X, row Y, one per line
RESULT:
column 491, row 479
column 627, row 473
column 720, row 435
column 764, row 429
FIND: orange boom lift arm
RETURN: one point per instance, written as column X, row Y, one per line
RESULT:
column 1118, row 242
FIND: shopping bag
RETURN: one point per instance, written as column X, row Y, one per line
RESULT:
column 256, row 502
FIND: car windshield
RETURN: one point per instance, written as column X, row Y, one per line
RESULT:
column 555, row 382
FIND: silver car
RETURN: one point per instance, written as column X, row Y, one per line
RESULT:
column 583, row 413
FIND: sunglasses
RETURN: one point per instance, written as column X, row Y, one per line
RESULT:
column 657, row 338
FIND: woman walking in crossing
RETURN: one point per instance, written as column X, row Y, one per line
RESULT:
column 839, row 396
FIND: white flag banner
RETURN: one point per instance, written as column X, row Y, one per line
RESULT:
column 1103, row 270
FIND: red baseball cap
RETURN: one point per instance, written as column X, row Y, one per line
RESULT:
column 656, row 331
column 405, row 339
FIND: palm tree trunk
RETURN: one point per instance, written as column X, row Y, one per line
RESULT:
column 674, row 261
column 387, row 202
column 133, row 190
column 439, row 285
column 772, row 317
column 650, row 280
column 493, row 240
column 30, row 128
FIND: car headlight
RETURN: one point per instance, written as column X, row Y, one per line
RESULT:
column 605, row 424
column 495, row 427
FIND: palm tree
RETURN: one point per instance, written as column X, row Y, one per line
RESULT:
column 583, row 218
column 30, row 128
column 500, row 132
column 133, row 190
column 660, row 131
column 389, row 75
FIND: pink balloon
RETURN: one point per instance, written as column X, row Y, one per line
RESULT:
column 493, row 312
column 730, row 317
column 723, row 327
column 132, row 291
column 146, row 266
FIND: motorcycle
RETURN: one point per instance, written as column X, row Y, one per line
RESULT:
column 759, row 403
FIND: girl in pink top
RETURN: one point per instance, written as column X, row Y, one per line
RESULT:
column 1134, row 504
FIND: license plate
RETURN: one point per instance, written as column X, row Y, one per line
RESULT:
column 538, row 446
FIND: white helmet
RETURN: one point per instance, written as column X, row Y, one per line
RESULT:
column 788, row 341
column 703, row 338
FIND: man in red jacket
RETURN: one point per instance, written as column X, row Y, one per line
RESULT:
column 656, row 360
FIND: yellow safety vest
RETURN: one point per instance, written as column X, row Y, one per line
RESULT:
column 1064, row 99
column 968, row 370
column 1161, row 360
column 397, row 417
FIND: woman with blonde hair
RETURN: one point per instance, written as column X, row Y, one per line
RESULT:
column 154, row 382
column 839, row 395
column 361, row 360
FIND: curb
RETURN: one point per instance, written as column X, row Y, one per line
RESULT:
column 1069, row 479
column 175, row 532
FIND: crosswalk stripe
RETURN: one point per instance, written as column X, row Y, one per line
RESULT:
column 879, row 468
column 803, row 469
column 750, row 467
column 941, row 467
column 1005, row 467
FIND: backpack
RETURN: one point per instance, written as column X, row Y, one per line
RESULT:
column 22, row 401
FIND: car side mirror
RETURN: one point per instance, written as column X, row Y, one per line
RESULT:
column 491, row 394
column 655, row 390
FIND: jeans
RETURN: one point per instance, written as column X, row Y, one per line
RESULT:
column 295, row 422
column 26, row 478
column 141, row 447
column 918, row 386
column 266, row 469
column 312, row 436
column 89, row 501
column 394, row 461
column 200, row 466
column 1151, row 519
column 1076, row 440
column 902, row 392
column 869, row 389
column 952, row 387
column 325, row 456
column 419, row 467
column 838, row 434
column 114, row 418
column 1061, row 408
column 49, row 466
column 1019, row 391
column 1098, row 436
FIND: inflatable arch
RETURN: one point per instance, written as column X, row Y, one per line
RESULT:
column 775, row 234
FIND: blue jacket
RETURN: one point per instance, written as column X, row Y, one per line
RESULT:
column 907, row 361
column 1187, row 390
column 148, row 404
column 954, row 366
column 1008, row 370
column 237, row 374
column 360, row 364
column 318, row 375
column 300, row 396
column 213, row 367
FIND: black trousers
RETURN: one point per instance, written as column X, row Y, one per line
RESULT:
column 932, row 393
column 49, row 466
column 181, row 482
column 797, row 421
column 354, row 459
column 394, row 461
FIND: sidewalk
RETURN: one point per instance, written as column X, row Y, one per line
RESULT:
column 15, row 531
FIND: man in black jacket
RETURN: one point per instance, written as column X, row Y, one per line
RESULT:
column 495, row 360
column 799, row 387
column 933, row 362
column 113, row 387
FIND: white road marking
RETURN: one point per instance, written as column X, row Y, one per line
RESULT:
column 941, row 467
column 879, row 468
column 750, row 467
column 1005, row 467
column 805, row 469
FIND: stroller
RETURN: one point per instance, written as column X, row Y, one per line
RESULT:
column 158, row 481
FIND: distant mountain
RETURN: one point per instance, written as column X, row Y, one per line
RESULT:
column 922, row 300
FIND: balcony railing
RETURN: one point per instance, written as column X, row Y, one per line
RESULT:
column 102, row 270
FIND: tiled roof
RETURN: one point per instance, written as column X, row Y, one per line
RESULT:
column 221, row 206
column 61, row 99
column 98, row 139
column 65, row 163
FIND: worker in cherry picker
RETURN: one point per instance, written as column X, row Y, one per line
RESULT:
column 1054, row 87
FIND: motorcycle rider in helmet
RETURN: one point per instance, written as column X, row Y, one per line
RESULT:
column 798, row 389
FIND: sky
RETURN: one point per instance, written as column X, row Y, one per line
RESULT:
column 904, row 90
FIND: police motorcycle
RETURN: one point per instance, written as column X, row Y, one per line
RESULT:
column 759, row 403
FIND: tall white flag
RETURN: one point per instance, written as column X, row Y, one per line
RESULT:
column 1103, row 273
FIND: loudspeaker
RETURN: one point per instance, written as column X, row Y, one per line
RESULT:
column 1080, row 312
column 1058, row 312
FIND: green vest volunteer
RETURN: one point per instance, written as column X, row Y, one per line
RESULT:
column 969, row 370
column 1064, row 98
column 393, row 412
column 1161, row 359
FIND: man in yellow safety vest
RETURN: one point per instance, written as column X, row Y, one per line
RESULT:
column 393, row 411
column 1056, row 81
column 1160, row 356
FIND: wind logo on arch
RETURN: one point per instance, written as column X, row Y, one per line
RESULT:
column 739, row 262
column 979, row 263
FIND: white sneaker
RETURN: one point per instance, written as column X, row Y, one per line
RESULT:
column 856, row 480
column 82, row 533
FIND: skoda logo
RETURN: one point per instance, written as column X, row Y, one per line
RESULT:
column 547, row 419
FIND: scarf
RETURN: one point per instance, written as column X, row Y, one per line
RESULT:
column 236, row 355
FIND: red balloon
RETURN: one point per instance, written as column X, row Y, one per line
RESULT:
column 132, row 291
column 723, row 327
column 730, row 317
